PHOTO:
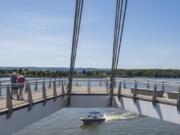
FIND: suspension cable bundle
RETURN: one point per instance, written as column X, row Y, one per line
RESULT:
column 77, row 23
column 121, row 6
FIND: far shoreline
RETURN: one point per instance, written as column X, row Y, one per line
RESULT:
column 43, row 72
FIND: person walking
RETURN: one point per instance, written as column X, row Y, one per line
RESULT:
column 20, row 84
column 13, row 85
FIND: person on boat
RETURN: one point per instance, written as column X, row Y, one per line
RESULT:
column 13, row 85
column 20, row 85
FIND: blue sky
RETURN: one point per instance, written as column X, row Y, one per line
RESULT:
column 39, row 33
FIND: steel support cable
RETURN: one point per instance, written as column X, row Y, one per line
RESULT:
column 115, row 33
column 114, row 43
column 76, row 25
column 77, row 22
column 74, row 40
column 114, row 50
column 78, row 29
column 118, row 31
column 74, row 33
column 72, row 49
column 122, row 29
column 75, row 36
column 115, row 36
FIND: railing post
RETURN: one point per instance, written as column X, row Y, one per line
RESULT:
column 30, row 100
column 54, row 89
column 49, row 83
column 163, row 86
column 135, row 89
column 0, row 88
column 76, row 83
column 154, row 93
column 9, row 100
column 100, row 83
column 44, row 92
column 67, row 85
column 107, row 86
column 89, row 87
column 36, row 85
column 178, row 99
column 124, row 84
column 119, row 89
column 62, row 87
column 59, row 82
column 65, row 82
column 55, row 80
column 148, row 87
column 115, row 83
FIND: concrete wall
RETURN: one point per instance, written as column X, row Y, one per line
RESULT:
column 23, row 117
column 160, row 111
column 87, row 101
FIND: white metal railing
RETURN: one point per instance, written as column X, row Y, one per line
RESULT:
column 29, row 87
column 58, row 86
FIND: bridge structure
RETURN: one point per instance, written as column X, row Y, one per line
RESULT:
column 42, row 89
column 41, row 97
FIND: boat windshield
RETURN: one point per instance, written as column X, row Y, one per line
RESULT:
column 94, row 114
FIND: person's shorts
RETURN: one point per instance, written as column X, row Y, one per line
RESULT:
column 14, row 87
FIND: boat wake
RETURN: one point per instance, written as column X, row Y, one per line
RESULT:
column 120, row 116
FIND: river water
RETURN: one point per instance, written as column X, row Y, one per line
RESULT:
column 67, row 122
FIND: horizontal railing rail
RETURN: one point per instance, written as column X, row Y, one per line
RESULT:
column 102, row 81
column 41, row 89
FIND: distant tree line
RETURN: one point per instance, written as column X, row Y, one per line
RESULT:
column 155, row 73
column 30, row 73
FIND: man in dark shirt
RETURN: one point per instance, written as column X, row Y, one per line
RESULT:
column 13, row 85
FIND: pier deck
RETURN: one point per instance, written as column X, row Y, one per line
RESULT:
column 37, row 95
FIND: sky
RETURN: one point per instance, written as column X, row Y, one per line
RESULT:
column 38, row 33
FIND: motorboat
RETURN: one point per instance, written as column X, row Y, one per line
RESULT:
column 93, row 118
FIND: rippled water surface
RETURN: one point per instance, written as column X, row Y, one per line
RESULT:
column 67, row 122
